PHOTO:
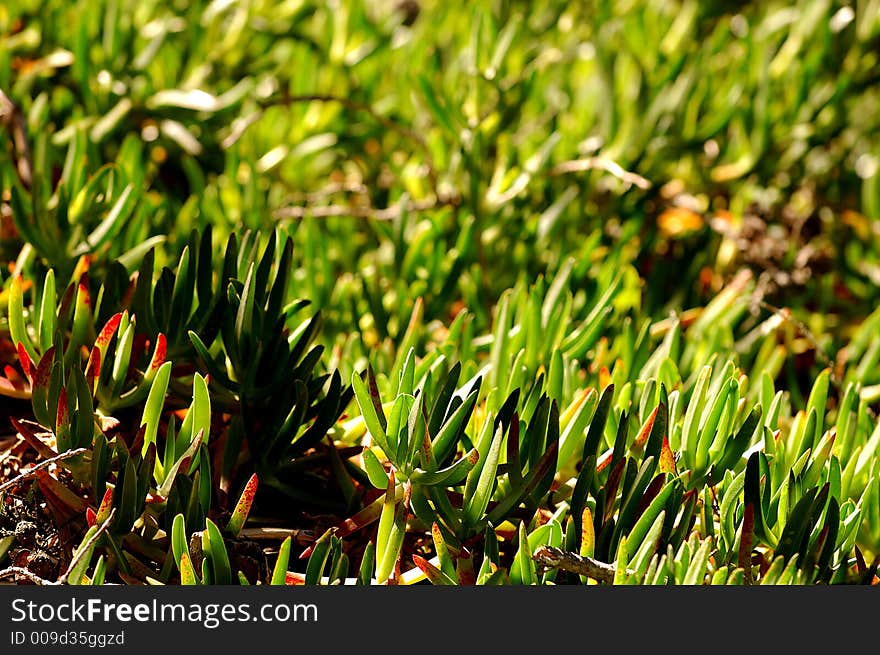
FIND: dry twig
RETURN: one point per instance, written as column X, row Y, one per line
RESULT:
column 86, row 547
column 603, row 164
column 300, row 537
column 33, row 577
column 386, row 214
column 25, row 573
column 29, row 473
column 555, row 558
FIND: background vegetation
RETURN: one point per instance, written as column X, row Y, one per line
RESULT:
column 401, row 291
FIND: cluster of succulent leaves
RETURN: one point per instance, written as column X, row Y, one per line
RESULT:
column 494, row 340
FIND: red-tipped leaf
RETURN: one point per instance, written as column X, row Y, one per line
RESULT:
column 293, row 579
column 646, row 428
column 106, row 506
column 61, row 417
column 15, row 378
column 434, row 575
column 604, row 460
column 44, row 370
column 27, row 365
column 243, row 507
column 107, row 332
column 159, row 354
column 93, row 369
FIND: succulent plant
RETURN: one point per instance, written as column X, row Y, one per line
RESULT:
column 327, row 294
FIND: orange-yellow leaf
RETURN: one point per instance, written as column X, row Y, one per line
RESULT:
column 677, row 221
column 588, row 533
column 105, row 506
column 646, row 428
column 667, row 459
column 604, row 460
column 604, row 377
column 243, row 507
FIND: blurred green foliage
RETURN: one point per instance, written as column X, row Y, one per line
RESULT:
column 600, row 277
